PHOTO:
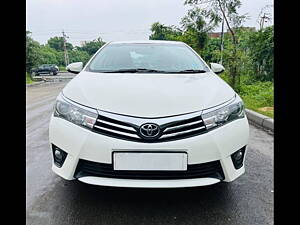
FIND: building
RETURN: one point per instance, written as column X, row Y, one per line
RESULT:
column 214, row 34
column 218, row 34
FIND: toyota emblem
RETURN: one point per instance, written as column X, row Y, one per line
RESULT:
column 149, row 130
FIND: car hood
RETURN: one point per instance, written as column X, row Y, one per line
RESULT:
column 148, row 95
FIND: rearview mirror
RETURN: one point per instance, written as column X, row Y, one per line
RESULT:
column 217, row 68
column 75, row 67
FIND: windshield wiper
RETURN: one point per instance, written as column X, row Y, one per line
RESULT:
column 137, row 70
column 192, row 71
column 144, row 70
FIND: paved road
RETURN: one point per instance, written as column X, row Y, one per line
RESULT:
column 52, row 200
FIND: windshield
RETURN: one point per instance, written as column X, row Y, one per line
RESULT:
column 146, row 58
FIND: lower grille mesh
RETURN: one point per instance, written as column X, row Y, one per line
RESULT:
column 89, row 168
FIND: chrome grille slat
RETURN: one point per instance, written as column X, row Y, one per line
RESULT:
column 183, row 126
column 183, row 132
column 113, row 128
column 116, row 131
column 116, row 125
column 127, row 127
column 138, row 121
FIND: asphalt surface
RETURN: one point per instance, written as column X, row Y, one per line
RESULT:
column 52, row 200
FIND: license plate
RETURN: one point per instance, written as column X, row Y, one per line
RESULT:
column 150, row 161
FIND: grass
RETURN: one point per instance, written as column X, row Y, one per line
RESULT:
column 257, row 95
column 28, row 79
column 62, row 68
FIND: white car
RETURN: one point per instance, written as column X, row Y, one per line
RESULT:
column 148, row 114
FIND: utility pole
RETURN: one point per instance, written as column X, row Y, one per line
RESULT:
column 263, row 19
column 65, row 48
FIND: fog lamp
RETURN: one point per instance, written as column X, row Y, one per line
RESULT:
column 238, row 158
column 59, row 156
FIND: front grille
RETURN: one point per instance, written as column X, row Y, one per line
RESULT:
column 171, row 128
column 203, row 170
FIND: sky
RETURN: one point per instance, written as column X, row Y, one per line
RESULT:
column 114, row 20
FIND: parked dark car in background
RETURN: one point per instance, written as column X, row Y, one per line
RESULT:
column 45, row 69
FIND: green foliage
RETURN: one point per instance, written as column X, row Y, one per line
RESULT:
column 193, row 30
column 28, row 79
column 248, row 54
column 91, row 47
column 78, row 56
column 262, row 92
column 32, row 48
column 57, row 43
column 53, row 52
column 259, row 95
column 162, row 32
column 62, row 68
column 211, row 52
column 261, row 51
column 216, row 11
column 47, row 55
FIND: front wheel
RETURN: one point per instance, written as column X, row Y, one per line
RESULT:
column 51, row 73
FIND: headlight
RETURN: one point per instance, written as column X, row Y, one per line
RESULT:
column 224, row 113
column 75, row 113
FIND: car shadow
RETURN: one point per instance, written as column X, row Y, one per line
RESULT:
column 89, row 204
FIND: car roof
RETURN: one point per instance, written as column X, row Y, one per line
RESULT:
column 147, row 42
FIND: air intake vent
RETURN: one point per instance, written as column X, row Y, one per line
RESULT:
column 210, row 169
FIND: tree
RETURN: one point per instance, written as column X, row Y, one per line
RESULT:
column 48, row 55
column 57, row 43
column 211, row 51
column 162, row 32
column 79, row 56
column 195, row 29
column 91, row 47
column 32, row 48
column 261, row 51
column 215, row 11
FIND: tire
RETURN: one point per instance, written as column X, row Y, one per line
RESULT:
column 51, row 73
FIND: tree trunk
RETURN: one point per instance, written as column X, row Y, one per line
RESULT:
column 233, row 70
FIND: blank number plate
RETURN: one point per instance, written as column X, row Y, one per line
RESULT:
column 150, row 161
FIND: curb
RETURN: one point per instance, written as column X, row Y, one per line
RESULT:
column 260, row 120
column 35, row 83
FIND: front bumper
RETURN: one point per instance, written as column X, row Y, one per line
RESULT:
column 215, row 145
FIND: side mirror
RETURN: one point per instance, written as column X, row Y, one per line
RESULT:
column 75, row 67
column 217, row 68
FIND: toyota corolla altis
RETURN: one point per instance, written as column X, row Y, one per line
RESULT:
column 149, row 114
